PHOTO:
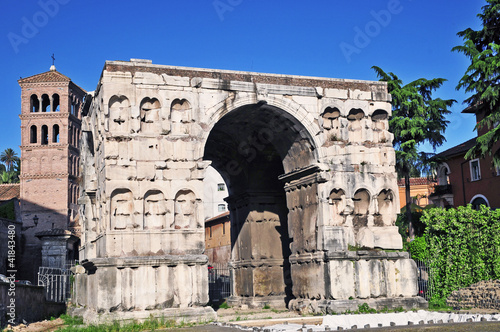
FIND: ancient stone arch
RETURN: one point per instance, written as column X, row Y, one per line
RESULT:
column 185, row 210
column 150, row 115
column 298, row 199
column 155, row 210
column 180, row 116
column 337, row 201
column 121, row 210
column 119, row 114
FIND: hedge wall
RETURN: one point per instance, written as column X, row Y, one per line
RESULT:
column 463, row 247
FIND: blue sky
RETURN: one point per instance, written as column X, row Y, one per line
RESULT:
column 413, row 39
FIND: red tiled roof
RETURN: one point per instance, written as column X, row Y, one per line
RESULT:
column 415, row 182
column 9, row 191
column 218, row 217
column 48, row 76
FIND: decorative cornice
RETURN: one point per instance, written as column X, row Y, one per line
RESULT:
column 38, row 146
column 122, row 262
column 50, row 115
column 38, row 115
column 36, row 84
column 43, row 176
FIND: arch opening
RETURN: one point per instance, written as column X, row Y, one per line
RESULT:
column 479, row 200
column 33, row 134
column 45, row 103
column 150, row 115
column 45, row 135
column 251, row 147
column 34, row 104
column 55, row 134
column 55, row 103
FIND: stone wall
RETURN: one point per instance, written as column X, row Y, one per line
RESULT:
column 30, row 304
column 482, row 295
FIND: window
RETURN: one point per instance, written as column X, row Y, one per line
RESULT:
column 35, row 103
column 55, row 103
column 45, row 103
column 55, row 134
column 443, row 175
column 475, row 171
column 33, row 134
column 221, row 207
column 221, row 187
column 45, row 135
column 479, row 200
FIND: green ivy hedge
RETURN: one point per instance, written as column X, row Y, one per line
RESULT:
column 462, row 245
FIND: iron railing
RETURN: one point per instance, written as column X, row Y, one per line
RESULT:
column 57, row 283
column 424, row 279
column 219, row 282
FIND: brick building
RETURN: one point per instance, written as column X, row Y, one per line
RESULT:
column 218, row 239
column 462, row 181
column 50, row 131
column 420, row 190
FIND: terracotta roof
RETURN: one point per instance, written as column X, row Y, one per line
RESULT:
column 218, row 217
column 48, row 76
column 416, row 182
column 9, row 191
column 456, row 150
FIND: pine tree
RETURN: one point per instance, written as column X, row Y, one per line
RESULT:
column 417, row 118
column 482, row 77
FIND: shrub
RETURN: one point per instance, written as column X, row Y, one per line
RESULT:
column 418, row 249
column 463, row 247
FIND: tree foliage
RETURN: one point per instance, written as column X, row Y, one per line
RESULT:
column 482, row 77
column 9, row 158
column 417, row 118
column 11, row 167
column 463, row 246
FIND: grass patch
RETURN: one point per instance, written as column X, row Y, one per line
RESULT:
column 224, row 305
column 438, row 304
column 75, row 324
column 365, row 309
column 266, row 306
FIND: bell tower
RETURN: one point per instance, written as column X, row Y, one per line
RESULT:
column 50, row 130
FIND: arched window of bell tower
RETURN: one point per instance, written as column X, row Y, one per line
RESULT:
column 45, row 135
column 45, row 103
column 33, row 132
column 55, row 134
column 34, row 103
column 55, row 103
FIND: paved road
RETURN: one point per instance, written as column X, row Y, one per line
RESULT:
column 457, row 327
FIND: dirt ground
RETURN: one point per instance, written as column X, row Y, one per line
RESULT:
column 45, row 325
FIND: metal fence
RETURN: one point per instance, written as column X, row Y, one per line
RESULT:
column 219, row 282
column 425, row 280
column 57, row 283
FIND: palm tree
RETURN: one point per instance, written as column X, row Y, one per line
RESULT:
column 9, row 157
column 7, row 177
